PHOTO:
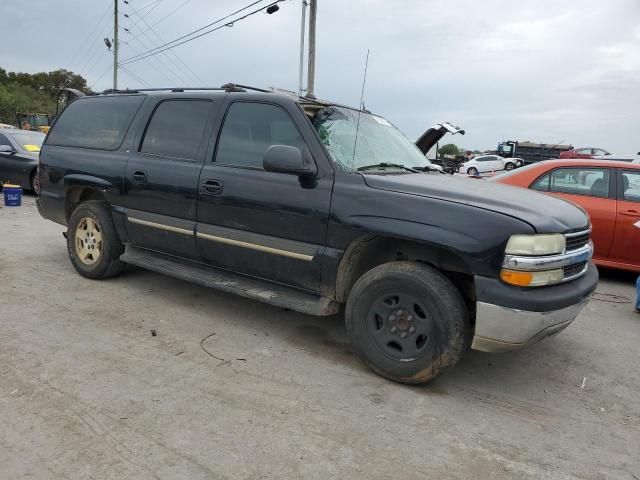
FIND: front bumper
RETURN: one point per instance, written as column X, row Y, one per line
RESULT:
column 509, row 318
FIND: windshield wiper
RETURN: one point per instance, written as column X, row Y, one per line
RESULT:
column 386, row 165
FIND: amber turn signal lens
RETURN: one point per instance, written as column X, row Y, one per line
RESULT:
column 512, row 277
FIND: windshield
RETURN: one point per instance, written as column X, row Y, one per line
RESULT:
column 378, row 141
column 30, row 142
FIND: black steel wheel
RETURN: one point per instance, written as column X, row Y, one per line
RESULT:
column 407, row 321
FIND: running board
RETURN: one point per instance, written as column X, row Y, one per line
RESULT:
column 250, row 287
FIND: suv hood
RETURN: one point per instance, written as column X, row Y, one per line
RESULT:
column 433, row 135
column 544, row 213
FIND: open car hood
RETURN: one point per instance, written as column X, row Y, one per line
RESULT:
column 433, row 135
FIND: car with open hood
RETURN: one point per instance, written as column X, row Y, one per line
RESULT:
column 310, row 205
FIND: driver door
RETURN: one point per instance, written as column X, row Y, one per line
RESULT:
column 264, row 224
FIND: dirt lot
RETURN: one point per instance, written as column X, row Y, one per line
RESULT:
column 86, row 391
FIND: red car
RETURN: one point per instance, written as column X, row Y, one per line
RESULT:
column 584, row 153
column 610, row 193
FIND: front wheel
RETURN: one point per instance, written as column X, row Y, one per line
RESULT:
column 407, row 322
column 509, row 166
column 93, row 243
column 473, row 171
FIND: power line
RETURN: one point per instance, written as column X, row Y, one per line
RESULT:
column 92, row 31
column 134, row 76
column 166, row 16
column 160, row 61
column 193, row 76
column 101, row 75
column 160, row 71
column 153, row 52
column 190, row 78
column 137, row 12
column 87, row 60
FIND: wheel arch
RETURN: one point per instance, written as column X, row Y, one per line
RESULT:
column 369, row 251
column 77, row 195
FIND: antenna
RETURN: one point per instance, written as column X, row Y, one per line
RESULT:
column 360, row 107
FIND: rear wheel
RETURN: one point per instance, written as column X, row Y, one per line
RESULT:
column 407, row 322
column 93, row 243
column 473, row 171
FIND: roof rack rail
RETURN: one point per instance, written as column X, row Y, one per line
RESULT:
column 227, row 87
column 235, row 87
column 167, row 89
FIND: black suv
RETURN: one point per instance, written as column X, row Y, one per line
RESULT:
column 308, row 205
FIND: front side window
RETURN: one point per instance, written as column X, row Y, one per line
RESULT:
column 592, row 182
column 631, row 186
column 250, row 129
column 377, row 142
column 542, row 184
column 176, row 129
column 99, row 122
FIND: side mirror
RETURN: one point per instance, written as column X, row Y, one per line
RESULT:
column 290, row 160
column 6, row 149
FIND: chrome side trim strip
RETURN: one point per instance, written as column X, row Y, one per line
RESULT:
column 550, row 262
column 160, row 226
column 254, row 246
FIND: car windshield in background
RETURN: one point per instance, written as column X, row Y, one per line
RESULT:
column 378, row 142
column 30, row 142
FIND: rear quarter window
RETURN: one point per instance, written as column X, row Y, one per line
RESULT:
column 99, row 123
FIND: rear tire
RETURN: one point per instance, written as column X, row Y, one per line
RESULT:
column 473, row 171
column 32, row 182
column 92, row 241
column 407, row 322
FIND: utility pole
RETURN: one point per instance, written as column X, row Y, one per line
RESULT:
column 302, row 26
column 115, row 45
column 311, row 70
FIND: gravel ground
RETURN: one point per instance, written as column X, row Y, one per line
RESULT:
column 87, row 392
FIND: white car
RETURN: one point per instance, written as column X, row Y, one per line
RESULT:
column 487, row 164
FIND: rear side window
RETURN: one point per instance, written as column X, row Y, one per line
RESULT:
column 250, row 129
column 176, row 129
column 99, row 123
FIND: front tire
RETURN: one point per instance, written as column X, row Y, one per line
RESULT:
column 509, row 166
column 473, row 171
column 93, row 243
column 407, row 322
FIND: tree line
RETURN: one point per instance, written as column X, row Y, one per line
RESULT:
column 34, row 93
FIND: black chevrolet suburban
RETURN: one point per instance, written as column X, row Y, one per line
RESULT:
column 309, row 205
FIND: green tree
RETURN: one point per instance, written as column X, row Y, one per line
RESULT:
column 448, row 149
column 34, row 93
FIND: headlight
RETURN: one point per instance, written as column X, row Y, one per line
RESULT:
column 536, row 244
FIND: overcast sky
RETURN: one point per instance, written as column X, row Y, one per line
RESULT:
column 540, row 70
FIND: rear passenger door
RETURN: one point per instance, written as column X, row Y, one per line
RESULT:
column 264, row 224
column 161, row 178
column 626, row 242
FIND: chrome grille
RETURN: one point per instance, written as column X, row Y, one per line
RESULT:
column 573, row 270
column 577, row 240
